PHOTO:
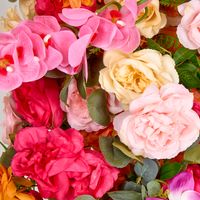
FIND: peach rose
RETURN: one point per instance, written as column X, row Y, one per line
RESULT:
column 160, row 123
column 188, row 30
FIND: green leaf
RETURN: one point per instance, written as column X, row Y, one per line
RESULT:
column 85, row 197
column 143, row 192
column 129, row 185
column 172, row 3
column 169, row 170
column 148, row 171
column 81, row 85
column 95, row 64
column 195, row 61
column 193, row 154
column 154, row 45
column 55, row 74
column 64, row 90
column 125, row 195
column 6, row 157
column 183, row 54
column 113, row 155
column 153, row 188
column 140, row 2
column 188, row 78
column 97, row 106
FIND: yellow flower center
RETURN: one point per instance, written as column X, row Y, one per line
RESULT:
column 131, row 79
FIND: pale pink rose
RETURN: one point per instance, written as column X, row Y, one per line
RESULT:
column 11, row 123
column 77, row 111
column 114, row 106
column 160, row 123
column 188, row 30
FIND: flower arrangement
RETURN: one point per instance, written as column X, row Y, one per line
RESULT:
column 103, row 100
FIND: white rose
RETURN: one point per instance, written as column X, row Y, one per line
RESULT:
column 154, row 21
column 128, row 75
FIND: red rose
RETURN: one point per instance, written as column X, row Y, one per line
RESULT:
column 38, row 103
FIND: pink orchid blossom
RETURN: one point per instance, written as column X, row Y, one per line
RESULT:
column 108, row 30
column 63, row 42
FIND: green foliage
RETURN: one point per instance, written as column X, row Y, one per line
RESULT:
column 172, row 3
column 7, row 156
column 183, row 54
column 193, row 154
column 130, row 185
column 55, row 74
column 169, row 170
column 125, row 195
column 97, row 107
column 148, row 170
column 81, row 84
column 154, row 45
column 113, row 155
column 64, row 90
column 85, row 197
column 153, row 188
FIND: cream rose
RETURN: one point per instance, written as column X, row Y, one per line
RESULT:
column 154, row 21
column 128, row 75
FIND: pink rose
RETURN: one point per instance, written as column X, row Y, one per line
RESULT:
column 160, row 123
column 38, row 103
column 188, row 30
column 58, row 163
column 99, row 179
column 12, row 123
column 114, row 106
column 77, row 111
column 196, row 107
column 44, row 156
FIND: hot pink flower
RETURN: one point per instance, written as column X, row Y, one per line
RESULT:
column 196, row 107
column 188, row 30
column 57, row 162
column 75, row 104
column 160, row 123
column 111, row 29
column 73, row 52
column 38, row 103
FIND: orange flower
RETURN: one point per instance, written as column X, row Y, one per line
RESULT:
column 8, row 190
column 77, row 3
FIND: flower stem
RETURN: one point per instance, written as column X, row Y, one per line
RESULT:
column 3, row 146
column 107, row 5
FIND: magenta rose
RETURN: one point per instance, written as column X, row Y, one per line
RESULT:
column 159, row 124
column 58, row 163
column 38, row 103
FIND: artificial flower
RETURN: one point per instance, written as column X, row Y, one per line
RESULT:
column 110, row 29
column 8, row 189
column 75, row 103
column 12, row 123
column 38, row 103
column 160, row 123
column 24, row 56
column 188, row 30
column 181, row 187
column 154, row 21
column 72, row 54
column 127, row 75
column 58, row 163
column 11, row 20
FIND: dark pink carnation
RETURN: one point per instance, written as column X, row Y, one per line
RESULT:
column 38, row 103
column 58, row 163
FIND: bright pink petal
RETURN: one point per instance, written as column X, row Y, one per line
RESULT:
column 54, row 58
column 190, row 195
column 179, row 184
column 62, row 41
column 78, row 49
column 6, row 38
column 75, row 17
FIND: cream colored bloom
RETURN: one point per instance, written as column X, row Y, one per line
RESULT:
column 154, row 21
column 128, row 75
column 11, row 20
column 27, row 8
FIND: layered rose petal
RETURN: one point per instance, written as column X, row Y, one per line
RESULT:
column 159, row 121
